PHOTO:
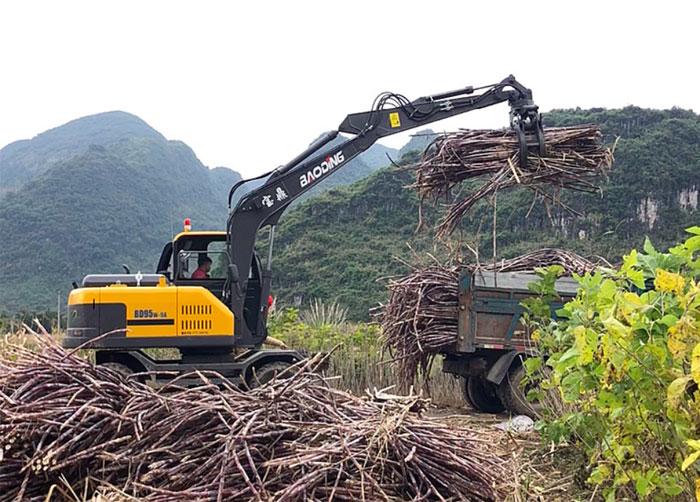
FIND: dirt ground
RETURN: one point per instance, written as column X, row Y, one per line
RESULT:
column 540, row 472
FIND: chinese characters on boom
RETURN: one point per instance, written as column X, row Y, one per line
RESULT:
column 269, row 200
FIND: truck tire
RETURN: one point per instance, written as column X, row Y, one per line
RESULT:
column 266, row 372
column 121, row 368
column 465, row 394
column 514, row 395
column 482, row 394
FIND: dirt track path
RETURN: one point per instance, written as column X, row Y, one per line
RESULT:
column 540, row 473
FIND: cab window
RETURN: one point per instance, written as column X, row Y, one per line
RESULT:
column 211, row 263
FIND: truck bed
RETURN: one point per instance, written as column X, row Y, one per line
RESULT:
column 490, row 310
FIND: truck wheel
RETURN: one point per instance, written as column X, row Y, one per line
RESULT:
column 465, row 394
column 514, row 395
column 123, row 370
column 482, row 395
column 262, row 375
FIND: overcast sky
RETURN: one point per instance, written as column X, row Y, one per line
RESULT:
column 249, row 84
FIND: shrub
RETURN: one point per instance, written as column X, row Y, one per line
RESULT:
column 624, row 356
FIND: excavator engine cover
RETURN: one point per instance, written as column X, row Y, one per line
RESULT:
column 125, row 316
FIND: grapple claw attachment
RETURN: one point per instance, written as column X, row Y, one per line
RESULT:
column 524, row 119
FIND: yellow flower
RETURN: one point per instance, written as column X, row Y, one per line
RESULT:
column 669, row 282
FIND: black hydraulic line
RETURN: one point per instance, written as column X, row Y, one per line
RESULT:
column 325, row 138
column 241, row 183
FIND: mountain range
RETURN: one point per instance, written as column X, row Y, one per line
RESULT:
column 109, row 190
column 104, row 190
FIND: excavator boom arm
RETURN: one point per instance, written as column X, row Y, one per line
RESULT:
column 391, row 114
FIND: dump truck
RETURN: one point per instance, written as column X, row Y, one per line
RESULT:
column 493, row 342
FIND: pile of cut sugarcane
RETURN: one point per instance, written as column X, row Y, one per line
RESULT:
column 420, row 319
column 67, row 426
column 574, row 158
column 571, row 263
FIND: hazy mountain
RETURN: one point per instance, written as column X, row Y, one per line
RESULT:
column 104, row 190
column 336, row 245
column 24, row 160
column 418, row 142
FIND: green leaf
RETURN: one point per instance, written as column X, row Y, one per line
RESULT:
column 532, row 364
column 629, row 261
column 668, row 320
column 675, row 394
column 571, row 386
column 608, row 289
column 616, row 327
column 695, row 230
column 637, row 278
column 608, row 400
column 693, row 243
column 568, row 360
column 618, row 358
column 648, row 246
column 673, row 488
column 642, row 486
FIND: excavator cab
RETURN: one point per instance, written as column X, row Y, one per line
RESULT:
column 179, row 260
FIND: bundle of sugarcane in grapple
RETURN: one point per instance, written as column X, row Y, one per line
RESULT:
column 68, row 426
column 571, row 158
column 471, row 316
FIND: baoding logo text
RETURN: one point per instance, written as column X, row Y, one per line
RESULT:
column 318, row 171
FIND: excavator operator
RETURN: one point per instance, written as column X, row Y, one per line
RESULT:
column 203, row 267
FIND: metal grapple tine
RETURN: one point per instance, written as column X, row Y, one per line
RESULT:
column 522, row 141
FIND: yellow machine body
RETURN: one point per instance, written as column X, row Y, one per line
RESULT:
column 164, row 315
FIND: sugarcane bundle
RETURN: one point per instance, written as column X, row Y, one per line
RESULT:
column 420, row 319
column 571, row 263
column 67, row 424
column 575, row 158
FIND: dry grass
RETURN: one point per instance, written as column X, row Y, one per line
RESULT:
column 359, row 363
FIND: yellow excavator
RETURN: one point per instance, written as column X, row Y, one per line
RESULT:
column 209, row 295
